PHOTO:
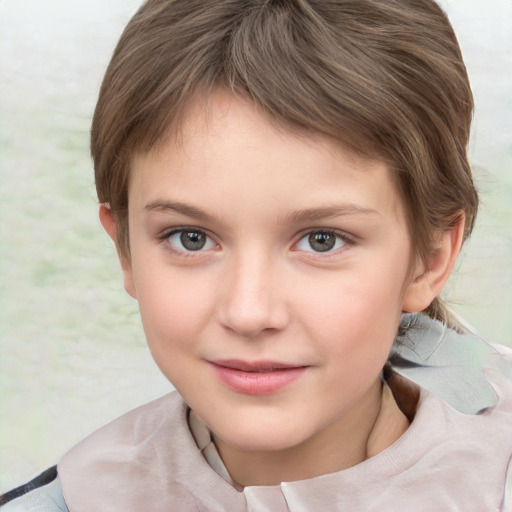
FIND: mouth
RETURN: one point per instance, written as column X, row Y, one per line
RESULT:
column 256, row 378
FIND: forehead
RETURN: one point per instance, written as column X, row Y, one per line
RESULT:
column 227, row 147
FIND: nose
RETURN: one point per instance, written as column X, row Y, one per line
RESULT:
column 253, row 298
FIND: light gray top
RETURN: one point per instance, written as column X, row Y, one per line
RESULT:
column 48, row 498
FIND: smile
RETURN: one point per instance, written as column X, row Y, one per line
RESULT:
column 259, row 378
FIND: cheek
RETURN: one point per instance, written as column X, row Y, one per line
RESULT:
column 350, row 296
column 173, row 317
column 356, row 315
column 173, row 306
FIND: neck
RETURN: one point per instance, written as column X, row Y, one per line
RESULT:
column 343, row 444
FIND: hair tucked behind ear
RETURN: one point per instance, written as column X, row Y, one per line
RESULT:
column 439, row 310
column 386, row 78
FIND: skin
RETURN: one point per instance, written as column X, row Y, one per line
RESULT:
column 258, row 290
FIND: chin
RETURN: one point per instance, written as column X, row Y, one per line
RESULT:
column 262, row 438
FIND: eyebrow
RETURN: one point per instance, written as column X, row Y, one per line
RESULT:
column 327, row 212
column 181, row 208
column 302, row 215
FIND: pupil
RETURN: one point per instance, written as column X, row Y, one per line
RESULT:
column 193, row 240
column 322, row 242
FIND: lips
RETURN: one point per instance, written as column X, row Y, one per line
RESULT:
column 256, row 378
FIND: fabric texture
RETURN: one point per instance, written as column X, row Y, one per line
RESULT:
column 148, row 461
column 43, row 498
column 43, row 479
column 456, row 454
column 447, row 363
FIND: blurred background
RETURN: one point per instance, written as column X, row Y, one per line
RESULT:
column 72, row 351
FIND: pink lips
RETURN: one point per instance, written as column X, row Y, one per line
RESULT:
column 261, row 378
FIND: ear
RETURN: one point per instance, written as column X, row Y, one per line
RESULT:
column 109, row 225
column 431, row 276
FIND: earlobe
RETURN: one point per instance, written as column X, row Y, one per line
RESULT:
column 109, row 225
column 431, row 276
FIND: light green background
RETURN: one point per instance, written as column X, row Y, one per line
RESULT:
column 72, row 352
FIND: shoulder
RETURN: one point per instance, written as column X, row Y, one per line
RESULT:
column 42, row 494
column 449, row 456
column 133, row 460
column 126, row 441
column 164, row 415
column 469, row 455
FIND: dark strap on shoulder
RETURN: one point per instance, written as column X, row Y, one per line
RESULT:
column 43, row 479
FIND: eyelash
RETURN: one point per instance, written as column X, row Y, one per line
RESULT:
column 164, row 239
column 346, row 240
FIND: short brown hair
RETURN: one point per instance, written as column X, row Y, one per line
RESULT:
column 387, row 79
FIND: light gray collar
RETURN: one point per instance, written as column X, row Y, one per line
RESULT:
column 447, row 363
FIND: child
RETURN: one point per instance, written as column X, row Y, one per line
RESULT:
column 287, row 186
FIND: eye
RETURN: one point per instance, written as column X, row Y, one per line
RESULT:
column 321, row 241
column 189, row 240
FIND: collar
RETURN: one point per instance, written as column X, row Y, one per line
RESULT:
column 449, row 364
column 149, row 460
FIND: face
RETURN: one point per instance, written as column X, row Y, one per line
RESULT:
column 269, row 268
